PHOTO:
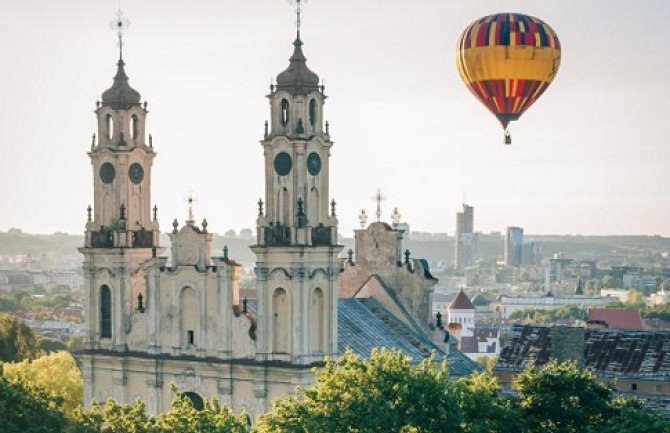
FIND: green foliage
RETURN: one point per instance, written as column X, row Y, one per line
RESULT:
column 111, row 417
column 630, row 417
column 562, row 398
column 611, row 282
column 49, row 345
column 383, row 394
column 487, row 362
column 484, row 408
column 56, row 374
column 567, row 313
column 28, row 409
column 17, row 340
column 661, row 312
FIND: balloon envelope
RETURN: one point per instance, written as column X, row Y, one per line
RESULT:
column 507, row 61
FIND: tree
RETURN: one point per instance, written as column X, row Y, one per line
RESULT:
column 56, row 374
column 484, row 408
column 635, row 299
column 630, row 417
column 111, row 417
column 50, row 345
column 384, row 394
column 562, row 398
column 27, row 409
column 17, row 340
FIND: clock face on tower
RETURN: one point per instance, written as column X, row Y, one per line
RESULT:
column 107, row 173
column 136, row 173
column 314, row 163
column 283, row 163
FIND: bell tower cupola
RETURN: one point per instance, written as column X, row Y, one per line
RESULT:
column 122, row 156
column 297, row 267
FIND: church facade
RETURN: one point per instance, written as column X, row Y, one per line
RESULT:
column 157, row 325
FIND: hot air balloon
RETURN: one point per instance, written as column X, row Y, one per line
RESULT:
column 507, row 61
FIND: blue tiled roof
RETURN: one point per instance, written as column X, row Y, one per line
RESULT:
column 363, row 324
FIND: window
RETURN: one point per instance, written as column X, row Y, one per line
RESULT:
column 281, row 326
column 195, row 399
column 312, row 112
column 108, row 126
column 659, row 388
column 284, row 112
column 105, row 312
column 135, row 126
column 633, row 386
column 191, row 338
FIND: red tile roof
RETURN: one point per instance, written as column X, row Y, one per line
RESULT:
column 627, row 318
column 461, row 302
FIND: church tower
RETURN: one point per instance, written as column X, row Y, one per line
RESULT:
column 121, row 231
column 297, row 268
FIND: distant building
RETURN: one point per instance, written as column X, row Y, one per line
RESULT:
column 474, row 340
column 462, row 311
column 636, row 362
column 513, row 253
column 620, row 295
column 661, row 297
column 532, row 254
column 556, row 270
column 465, row 238
column 639, row 281
column 509, row 304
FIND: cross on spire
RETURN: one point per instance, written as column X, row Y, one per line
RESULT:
column 191, row 200
column 379, row 197
column 119, row 24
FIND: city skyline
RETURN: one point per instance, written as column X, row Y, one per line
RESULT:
column 595, row 167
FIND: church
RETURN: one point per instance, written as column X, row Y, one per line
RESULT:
column 156, row 321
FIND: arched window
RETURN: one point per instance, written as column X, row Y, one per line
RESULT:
column 284, row 112
column 281, row 323
column 312, row 112
column 135, row 126
column 105, row 312
column 109, row 125
column 316, row 322
column 196, row 401
column 188, row 312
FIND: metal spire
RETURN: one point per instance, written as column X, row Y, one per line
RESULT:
column 298, row 10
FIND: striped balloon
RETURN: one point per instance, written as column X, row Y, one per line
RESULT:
column 508, row 61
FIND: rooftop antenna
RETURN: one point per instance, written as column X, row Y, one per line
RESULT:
column 379, row 197
column 119, row 24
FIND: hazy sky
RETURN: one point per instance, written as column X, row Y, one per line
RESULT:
column 592, row 156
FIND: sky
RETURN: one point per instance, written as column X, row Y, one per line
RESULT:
column 592, row 156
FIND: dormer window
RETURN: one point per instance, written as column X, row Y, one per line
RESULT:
column 312, row 112
column 284, row 112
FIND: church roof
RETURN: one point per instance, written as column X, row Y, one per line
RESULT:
column 363, row 324
column 298, row 78
column 461, row 302
column 121, row 96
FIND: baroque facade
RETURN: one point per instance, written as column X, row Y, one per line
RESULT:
column 156, row 325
